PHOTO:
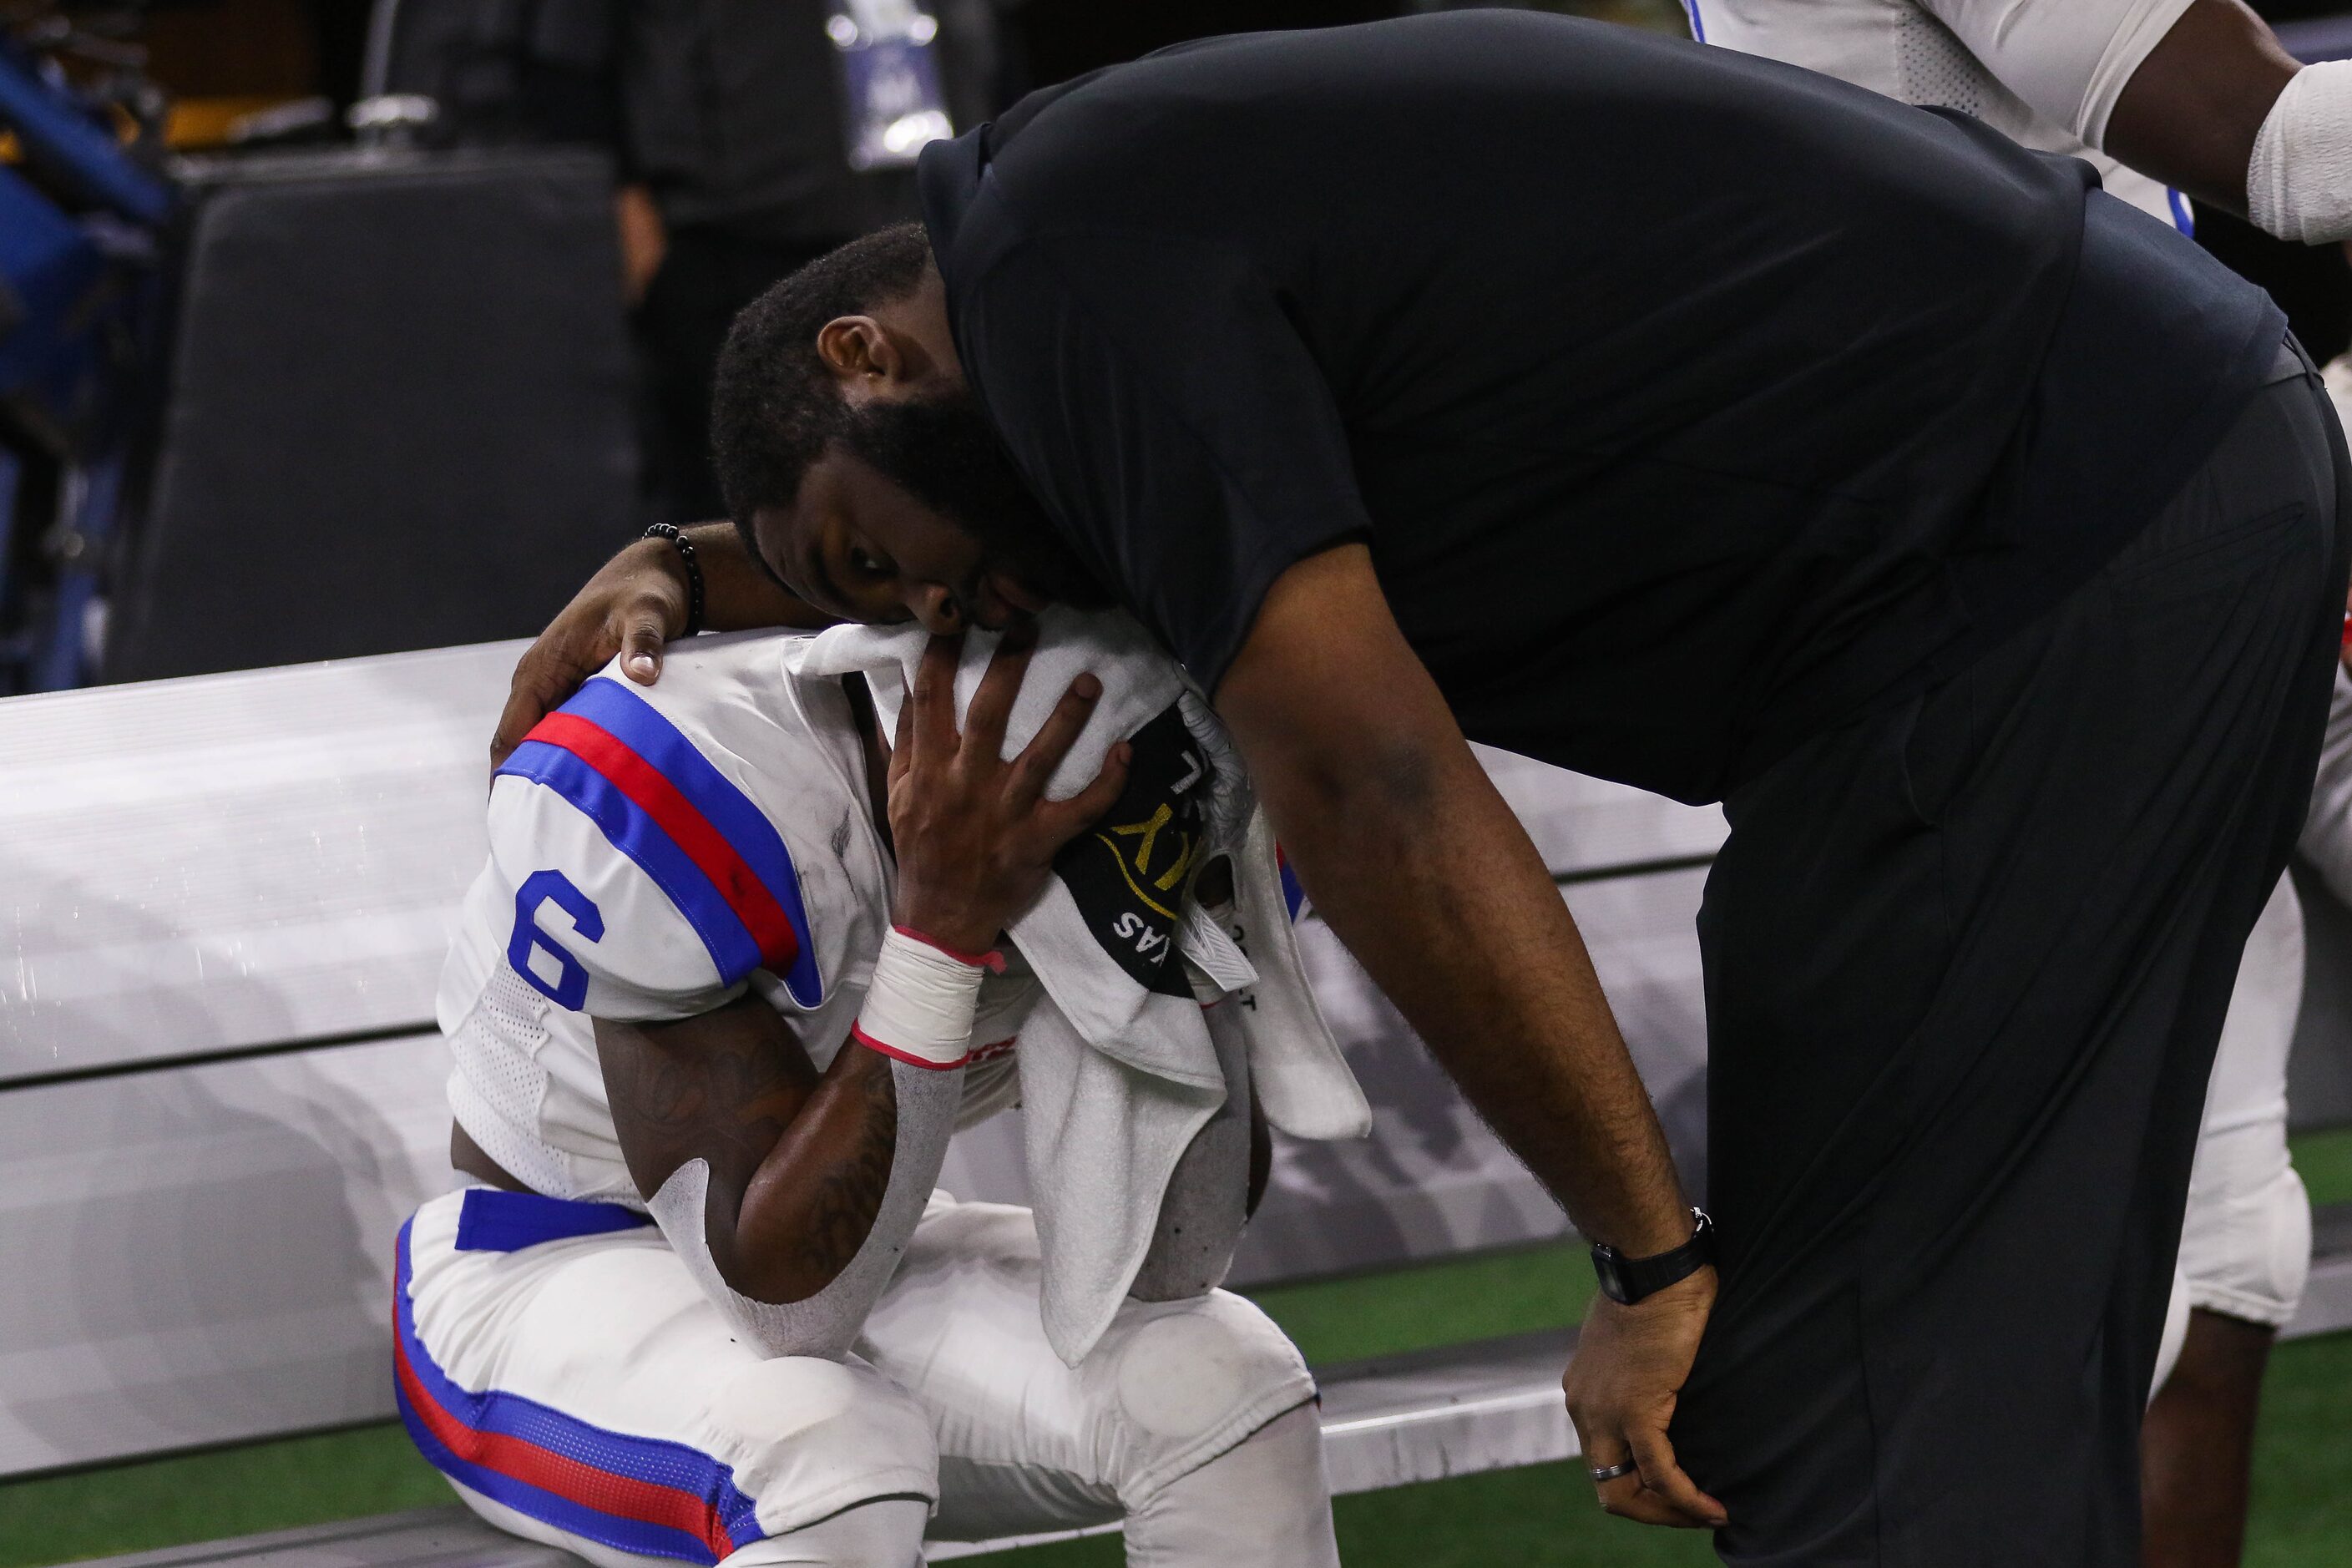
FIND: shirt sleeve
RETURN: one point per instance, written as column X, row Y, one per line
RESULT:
column 1171, row 419
column 648, row 884
column 2068, row 58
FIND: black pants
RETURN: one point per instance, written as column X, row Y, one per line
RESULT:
column 1967, row 962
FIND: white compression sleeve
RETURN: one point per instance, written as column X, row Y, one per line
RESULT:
column 2299, row 181
column 827, row 1324
column 919, row 1012
column 2070, row 60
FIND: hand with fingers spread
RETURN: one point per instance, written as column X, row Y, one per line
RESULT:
column 974, row 834
column 1630, row 1364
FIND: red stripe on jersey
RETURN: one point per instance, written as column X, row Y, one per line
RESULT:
column 691, row 831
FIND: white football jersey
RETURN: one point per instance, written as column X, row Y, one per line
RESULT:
column 655, row 851
column 2044, row 73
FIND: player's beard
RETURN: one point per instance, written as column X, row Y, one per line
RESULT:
column 943, row 451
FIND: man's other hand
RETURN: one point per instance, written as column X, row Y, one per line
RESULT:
column 1630, row 1363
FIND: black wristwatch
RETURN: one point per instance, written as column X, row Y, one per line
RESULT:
column 1627, row 1279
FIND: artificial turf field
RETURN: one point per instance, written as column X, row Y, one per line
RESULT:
column 1537, row 1518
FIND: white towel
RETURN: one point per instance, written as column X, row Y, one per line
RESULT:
column 1117, row 1070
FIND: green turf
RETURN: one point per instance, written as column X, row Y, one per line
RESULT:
column 2303, row 1458
column 1435, row 1303
column 2323, row 1160
column 202, row 1497
column 1535, row 1518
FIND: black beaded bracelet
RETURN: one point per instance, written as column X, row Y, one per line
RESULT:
column 676, row 536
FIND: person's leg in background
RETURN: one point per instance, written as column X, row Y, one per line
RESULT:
column 2246, row 1251
column 1967, row 962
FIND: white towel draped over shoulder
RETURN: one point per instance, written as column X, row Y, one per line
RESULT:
column 1117, row 1070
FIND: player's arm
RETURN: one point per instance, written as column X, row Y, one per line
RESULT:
column 2179, row 91
column 1421, row 869
column 2189, row 114
column 798, row 1159
column 636, row 603
column 800, row 1162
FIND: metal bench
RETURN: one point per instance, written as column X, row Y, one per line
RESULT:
column 220, row 1087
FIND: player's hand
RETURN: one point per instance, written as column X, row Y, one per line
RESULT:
column 1630, row 1363
column 974, row 834
column 637, row 602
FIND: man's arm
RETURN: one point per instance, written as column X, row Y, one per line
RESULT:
column 2189, row 114
column 798, row 1159
column 1421, row 869
column 637, row 602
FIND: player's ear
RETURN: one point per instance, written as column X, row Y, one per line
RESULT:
column 859, row 349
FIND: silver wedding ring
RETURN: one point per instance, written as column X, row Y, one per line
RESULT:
column 1606, row 1473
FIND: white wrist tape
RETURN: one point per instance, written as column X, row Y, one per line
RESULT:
column 920, row 1007
column 2299, row 181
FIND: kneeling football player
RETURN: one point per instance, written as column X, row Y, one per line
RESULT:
column 712, row 1029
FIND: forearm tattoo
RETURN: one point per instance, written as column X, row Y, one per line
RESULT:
column 799, row 1162
column 847, row 1193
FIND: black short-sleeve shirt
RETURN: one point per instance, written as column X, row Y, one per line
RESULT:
column 1688, row 402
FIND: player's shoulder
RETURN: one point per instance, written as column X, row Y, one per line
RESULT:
column 666, row 842
column 1860, row 41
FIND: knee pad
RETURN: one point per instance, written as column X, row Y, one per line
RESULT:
column 1264, row 1503
column 2245, row 1241
column 887, row 1533
column 827, row 1324
column 809, row 1438
column 1176, row 1384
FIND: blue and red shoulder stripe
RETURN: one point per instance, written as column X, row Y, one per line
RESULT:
column 703, row 841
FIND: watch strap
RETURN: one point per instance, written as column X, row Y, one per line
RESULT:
column 1626, row 1280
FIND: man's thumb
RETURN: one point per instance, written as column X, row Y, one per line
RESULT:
column 641, row 649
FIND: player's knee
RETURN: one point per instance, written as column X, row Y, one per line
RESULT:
column 806, row 1435
column 1188, row 1381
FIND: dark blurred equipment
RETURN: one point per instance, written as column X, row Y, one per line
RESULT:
column 399, row 413
column 79, row 220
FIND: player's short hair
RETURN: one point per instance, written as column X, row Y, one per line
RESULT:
column 774, row 406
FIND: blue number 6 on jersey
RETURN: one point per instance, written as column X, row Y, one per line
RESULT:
column 571, row 986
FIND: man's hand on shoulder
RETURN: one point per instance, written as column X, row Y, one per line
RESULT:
column 637, row 602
